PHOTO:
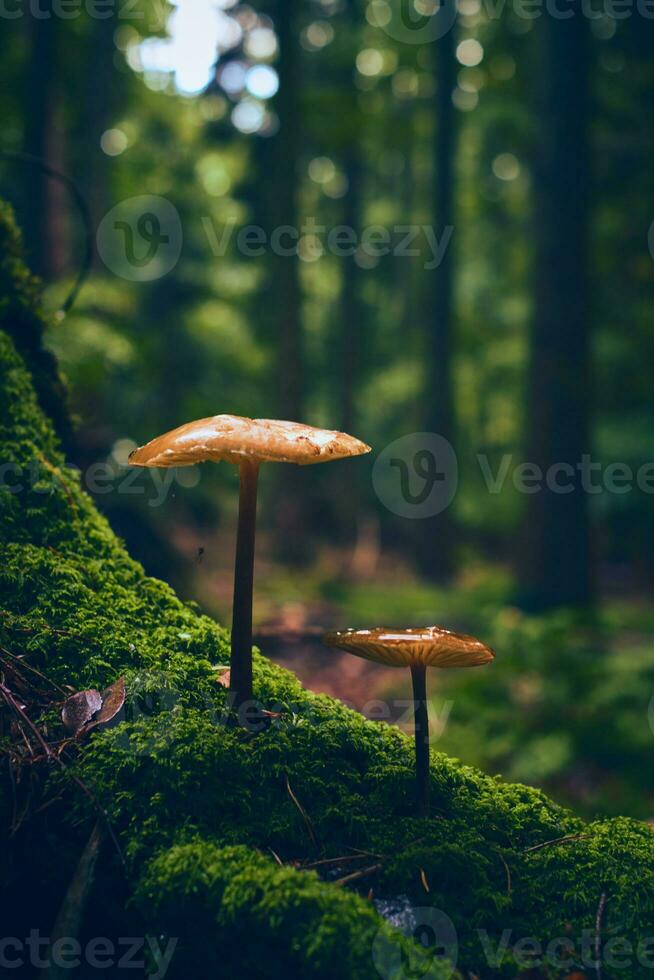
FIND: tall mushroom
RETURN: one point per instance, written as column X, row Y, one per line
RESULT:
column 246, row 443
column 418, row 649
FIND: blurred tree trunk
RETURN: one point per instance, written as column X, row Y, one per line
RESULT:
column 554, row 566
column 284, row 211
column 435, row 535
column 351, row 313
column 286, row 291
column 43, row 202
column 347, row 366
column 102, row 96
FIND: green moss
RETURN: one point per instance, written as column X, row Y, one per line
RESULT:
column 201, row 808
column 280, row 923
column 23, row 319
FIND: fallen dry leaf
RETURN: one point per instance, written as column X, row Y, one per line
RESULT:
column 79, row 709
column 113, row 698
column 88, row 709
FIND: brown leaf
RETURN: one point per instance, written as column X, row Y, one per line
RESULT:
column 113, row 698
column 224, row 677
column 79, row 709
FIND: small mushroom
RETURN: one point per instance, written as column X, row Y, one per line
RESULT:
column 418, row 649
column 246, row 443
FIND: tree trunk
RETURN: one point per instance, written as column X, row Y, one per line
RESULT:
column 38, row 141
column 291, row 544
column 351, row 311
column 102, row 98
column 435, row 535
column 284, row 211
column 554, row 566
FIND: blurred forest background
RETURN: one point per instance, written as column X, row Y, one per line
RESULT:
column 519, row 142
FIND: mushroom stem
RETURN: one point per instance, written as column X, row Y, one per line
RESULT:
column 419, row 678
column 241, row 652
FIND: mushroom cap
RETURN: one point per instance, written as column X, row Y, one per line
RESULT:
column 233, row 439
column 432, row 646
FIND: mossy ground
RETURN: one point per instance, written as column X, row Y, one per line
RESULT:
column 205, row 811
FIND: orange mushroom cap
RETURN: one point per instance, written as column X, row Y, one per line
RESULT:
column 432, row 646
column 233, row 439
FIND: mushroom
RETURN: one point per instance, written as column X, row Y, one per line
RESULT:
column 245, row 443
column 418, row 649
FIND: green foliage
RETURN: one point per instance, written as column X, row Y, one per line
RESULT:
column 196, row 801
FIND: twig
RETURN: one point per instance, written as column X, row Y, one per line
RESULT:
column 337, row 860
column 423, row 879
column 557, row 840
column 276, row 857
column 360, row 852
column 103, row 813
column 303, row 812
column 11, row 701
column 508, row 873
column 26, row 663
column 598, row 935
column 28, row 744
column 71, row 914
column 358, row 874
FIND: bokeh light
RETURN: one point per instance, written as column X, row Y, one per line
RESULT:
column 261, row 43
column 506, row 166
column 113, row 142
column 370, row 62
column 317, row 35
column 262, row 81
column 248, row 116
column 469, row 52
